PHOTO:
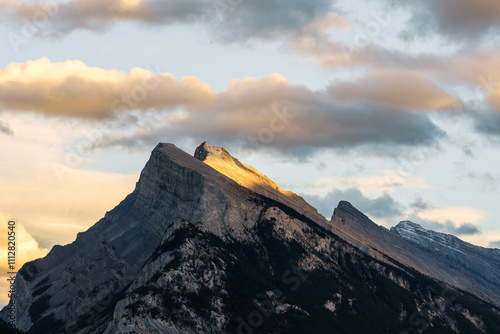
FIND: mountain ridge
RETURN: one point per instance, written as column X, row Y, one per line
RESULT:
column 479, row 263
column 190, row 239
column 386, row 245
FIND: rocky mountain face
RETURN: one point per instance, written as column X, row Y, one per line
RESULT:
column 477, row 271
column 206, row 244
column 481, row 265
column 6, row 328
column 247, row 176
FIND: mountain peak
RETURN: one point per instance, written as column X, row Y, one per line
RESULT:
column 205, row 149
column 346, row 205
column 406, row 224
column 219, row 159
column 245, row 175
column 190, row 250
column 347, row 210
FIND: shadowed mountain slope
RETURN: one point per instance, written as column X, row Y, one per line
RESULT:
column 191, row 250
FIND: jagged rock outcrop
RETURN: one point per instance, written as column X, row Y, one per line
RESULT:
column 192, row 250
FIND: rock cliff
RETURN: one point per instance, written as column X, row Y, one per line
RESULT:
column 192, row 250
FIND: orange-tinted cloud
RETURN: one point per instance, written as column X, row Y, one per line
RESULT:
column 46, row 182
column 73, row 89
column 399, row 88
column 259, row 111
column 27, row 249
column 455, row 215
column 271, row 112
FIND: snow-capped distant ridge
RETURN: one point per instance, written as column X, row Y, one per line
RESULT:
column 480, row 264
column 407, row 224
column 427, row 251
column 415, row 232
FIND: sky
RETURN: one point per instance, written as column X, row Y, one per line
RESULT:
column 391, row 105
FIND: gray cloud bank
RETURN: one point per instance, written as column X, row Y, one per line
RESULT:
column 257, row 112
column 383, row 206
column 458, row 20
column 231, row 19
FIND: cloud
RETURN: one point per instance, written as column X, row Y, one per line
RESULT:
column 73, row 89
column 478, row 66
column 398, row 88
column 62, row 17
column 273, row 19
column 465, row 228
column 448, row 226
column 6, row 129
column 361, row 51
column 386, row 181
column 487, row 122
column 457, row 20
column 325, row 50
column 494, row 244
column 456, row 215
column 463, row 221
column 270, row 112
column 324, row 24
column 475, row 69
column 383, row 206
column 483, row 238
column 70, row 206
column 231, row 19
column 258, row 112
column 420, row 204
column 27, row 249
column 46, row 185
column 484, row 181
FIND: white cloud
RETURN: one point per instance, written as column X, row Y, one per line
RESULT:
column 456, row 215
column 389, row 181
column 483, row 239
column 45, row 184
column 399, row 88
